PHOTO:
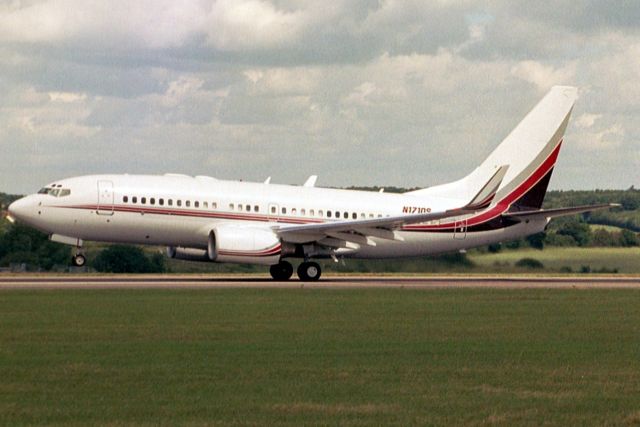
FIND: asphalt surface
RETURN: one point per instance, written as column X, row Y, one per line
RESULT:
column 334, row 282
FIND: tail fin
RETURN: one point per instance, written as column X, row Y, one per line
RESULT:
column 530, row 150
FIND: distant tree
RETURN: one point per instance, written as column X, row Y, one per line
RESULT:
column 536, row 241
column 529, row 263
column 629, row 238
column 577, row 230
column 494, row 248
column 602, row 237
column 127, row 259
column 22, row 244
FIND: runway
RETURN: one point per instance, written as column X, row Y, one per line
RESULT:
column 329, row 282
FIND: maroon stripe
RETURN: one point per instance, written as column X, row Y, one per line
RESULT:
column 274, row 250
column 503, row 205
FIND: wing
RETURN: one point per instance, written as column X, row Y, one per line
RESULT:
column 360, row 231
column 553, row 213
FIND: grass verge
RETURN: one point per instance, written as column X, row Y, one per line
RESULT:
column 302, row 356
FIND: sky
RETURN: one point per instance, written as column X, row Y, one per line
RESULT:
column 399, row 93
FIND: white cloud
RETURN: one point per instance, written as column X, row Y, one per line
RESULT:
column 544, row 76
column 250, row 24
column 146, row 23
column 426, row 89
column 587, row 120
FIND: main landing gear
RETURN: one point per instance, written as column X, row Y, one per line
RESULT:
column 307, row 271
column 281, row 271
column 78, row 260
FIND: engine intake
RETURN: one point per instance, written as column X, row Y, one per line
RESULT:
column 244, row 245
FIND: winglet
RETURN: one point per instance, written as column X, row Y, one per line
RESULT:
column 485, row 196
column 311, row 181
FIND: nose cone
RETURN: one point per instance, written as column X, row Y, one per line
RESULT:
column 21, row 209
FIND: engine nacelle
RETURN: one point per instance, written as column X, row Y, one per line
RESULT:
column 188, row 254
column 244, row 245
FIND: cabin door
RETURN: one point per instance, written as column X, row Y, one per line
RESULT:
column 105, row 198
column 460, row 230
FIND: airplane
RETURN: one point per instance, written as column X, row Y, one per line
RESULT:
column 211, row 220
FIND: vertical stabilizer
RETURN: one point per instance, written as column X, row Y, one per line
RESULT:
column 530, row 150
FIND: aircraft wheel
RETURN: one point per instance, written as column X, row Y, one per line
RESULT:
column 309, row 271
column 78, row 260
column 281, row 271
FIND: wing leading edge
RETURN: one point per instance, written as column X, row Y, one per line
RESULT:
column 359, row 231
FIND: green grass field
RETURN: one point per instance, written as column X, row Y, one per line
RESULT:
column 624, row 260
column 303, row 356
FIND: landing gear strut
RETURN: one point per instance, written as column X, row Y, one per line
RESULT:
column 281, row 271
column 78, row 260
column 309, row 271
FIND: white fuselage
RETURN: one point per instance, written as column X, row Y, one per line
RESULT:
column 179, row 211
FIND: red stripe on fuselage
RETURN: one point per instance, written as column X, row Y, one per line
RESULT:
column 504, row 204
column 501, row 207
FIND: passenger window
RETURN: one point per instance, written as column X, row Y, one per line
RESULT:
column 370, row 215
column 354, row 216
column 273, row 209
column 170, row 202
column 284, row 210
column 379, row 216
column 362, row 216
column 294, row 211
column 247, row 208
column 345, row 215
column 143, row 200
column 179, row 202
column 231, row 206
column 187, row 203
column 320, row 213
column 328, row 214
column 205, row 205
column 214, row 205
column 303, row 212
column 134, row 199
column 239, row 208
column 256, row 208
column 152, row 201
column 161, row 202
column 312, row 212
column 196, row 204
column 125, row 199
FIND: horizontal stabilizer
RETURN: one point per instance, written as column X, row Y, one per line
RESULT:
column 553, row 213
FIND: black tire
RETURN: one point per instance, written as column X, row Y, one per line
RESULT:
column 281, row 271
column 78, row 260
column 309, row 271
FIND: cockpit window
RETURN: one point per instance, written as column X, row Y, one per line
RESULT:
column 55, row 192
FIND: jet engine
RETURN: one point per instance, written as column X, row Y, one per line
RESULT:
column 244, row 245
column 188, row 254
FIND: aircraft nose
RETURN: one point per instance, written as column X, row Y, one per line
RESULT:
column 20, row 209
